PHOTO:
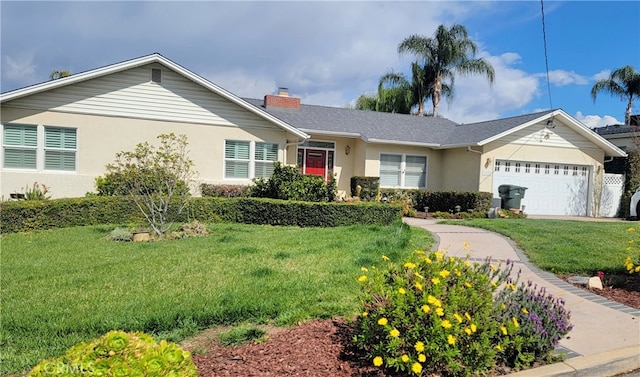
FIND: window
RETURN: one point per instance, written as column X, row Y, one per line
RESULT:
column 415, row 171
column 236, row 159
column 39, row 147
column 247, row 159
column 265, row 155
column 403, row 171
column 20, row 144
column 59, row 148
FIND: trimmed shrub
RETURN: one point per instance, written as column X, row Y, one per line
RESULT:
column 441, row 201
column 369, row 187
column 118, row 353
column 288, row 183
column 224, row 191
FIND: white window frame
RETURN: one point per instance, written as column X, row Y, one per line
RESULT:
column 251, row 160
column 403, row 170
column 40, row 149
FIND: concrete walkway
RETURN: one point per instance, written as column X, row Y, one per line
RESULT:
column 605, row 339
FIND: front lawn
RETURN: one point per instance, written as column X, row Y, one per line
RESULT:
column 565, row 247
column 64, row 286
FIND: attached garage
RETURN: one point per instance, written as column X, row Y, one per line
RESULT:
column 552, row 189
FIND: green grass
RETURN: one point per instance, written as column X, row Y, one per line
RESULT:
column 240, row 335
column 69, row 285
column 565, row 247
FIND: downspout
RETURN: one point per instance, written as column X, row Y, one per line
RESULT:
column 472, row 150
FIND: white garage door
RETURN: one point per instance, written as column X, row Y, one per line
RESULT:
column 552, row 189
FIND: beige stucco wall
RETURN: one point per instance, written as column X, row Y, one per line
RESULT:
column 99, row 138
column 460, row 169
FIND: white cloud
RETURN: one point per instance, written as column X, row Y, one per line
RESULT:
column 243, row 84
column 476, row 100
column 594, row 121
column 604, row 74
column 21, row 69
column 561, row 77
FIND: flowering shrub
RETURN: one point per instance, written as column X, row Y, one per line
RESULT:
column 118, row 353
column 532, row 323
column 632, row 262
column 446, row 315
column 432, row 313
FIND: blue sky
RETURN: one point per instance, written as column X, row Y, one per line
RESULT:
column 329, row 53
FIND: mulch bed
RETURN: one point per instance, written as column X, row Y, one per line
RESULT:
column 323, row 347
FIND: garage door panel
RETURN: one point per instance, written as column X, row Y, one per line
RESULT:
column 552, row 189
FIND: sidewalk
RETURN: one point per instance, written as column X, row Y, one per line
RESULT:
column 605, row 339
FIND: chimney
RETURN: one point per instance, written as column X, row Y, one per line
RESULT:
column 282, row 99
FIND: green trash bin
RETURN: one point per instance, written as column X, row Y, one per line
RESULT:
column 510, row 196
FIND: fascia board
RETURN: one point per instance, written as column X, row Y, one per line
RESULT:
column 408, row 143
column 352, row 135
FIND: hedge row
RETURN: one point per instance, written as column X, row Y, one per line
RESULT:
column 441, row 201
column 20, row 216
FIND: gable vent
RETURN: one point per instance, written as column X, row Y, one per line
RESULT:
column 156, row 75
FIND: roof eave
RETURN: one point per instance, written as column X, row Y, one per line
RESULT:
column 462, row 145
column 352, row 135
column 398, row 142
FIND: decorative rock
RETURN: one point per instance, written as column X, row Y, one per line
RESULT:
column 582, row 280
column 594, row 283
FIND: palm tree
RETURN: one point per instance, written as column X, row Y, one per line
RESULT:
column 55, row 74
column 623, row 82
column 389, row 100
column 412, row 92
column 450, row 51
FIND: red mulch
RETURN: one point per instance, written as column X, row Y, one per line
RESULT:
column 316, row 348
column 323, row 347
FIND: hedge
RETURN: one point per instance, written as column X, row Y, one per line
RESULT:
column 21, row 216
column 441, row 201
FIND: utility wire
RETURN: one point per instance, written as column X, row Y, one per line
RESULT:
column 546, row 59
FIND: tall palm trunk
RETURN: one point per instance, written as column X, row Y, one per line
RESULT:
column 627, row 114
column 437, row 94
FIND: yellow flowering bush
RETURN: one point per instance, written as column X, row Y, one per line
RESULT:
column 442, row 315
column 632, row 262
column 430, row 314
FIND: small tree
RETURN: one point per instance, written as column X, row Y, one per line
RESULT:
column 155, row 178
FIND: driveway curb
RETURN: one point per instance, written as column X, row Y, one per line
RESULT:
column 604, row 364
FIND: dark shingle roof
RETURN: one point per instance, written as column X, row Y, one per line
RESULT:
column 616, row 129
column 367, row 124
column 473, row 133
column 401, row 128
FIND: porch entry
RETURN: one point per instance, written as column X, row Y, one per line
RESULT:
column 316, row 158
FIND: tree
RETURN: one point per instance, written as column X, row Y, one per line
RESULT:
column 448, row 52
column 55, row 74
column 389, row 100
column 155, row 178
column 623, row 82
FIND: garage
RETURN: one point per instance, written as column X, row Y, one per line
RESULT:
column 552, row 189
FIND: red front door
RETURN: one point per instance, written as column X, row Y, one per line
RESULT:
column 316, row 162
